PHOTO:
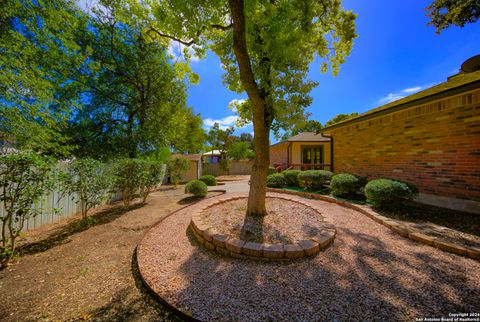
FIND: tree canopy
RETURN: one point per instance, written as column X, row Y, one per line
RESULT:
column 444, row 13
column 341, row 117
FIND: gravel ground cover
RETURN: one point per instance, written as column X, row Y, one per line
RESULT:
column 73, row 273
column 279, row 227
column 369, row 273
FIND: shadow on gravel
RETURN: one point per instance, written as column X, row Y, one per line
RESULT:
column 61, row 236
column 189, row 200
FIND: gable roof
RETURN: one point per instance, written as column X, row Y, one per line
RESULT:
column 454, row 85
column 305, row 137
column 212, row 153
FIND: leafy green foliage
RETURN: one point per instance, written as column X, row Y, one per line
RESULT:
column 221, row 139
column 240, row 151
column 291, row 176
column 314, row 179
column 301, row 127
column 91, row 180
column 444, row 13
column 276, row 180
column 152, row 176
column 345, row 184
column 340, row 118
column 388, row 193
column 176, row 167
column 271, row 170
column 129, row 175
column 197, row 188
column 38, row 52
column 209, row 180
column 24, row 178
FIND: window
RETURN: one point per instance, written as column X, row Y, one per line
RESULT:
column 312, row 154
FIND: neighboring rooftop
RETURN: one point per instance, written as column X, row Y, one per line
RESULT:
column 305, row 137
column 212, row 153
column 455, row 84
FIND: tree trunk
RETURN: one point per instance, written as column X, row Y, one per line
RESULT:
column 261, row 128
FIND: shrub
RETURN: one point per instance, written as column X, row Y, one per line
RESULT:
column 291, row 176
column 175, row 169
column 90, row 179
column 313, row 179
column 197, row 188
column 346, row 184
column 388, row 193
column 209, row 180
column 271, row 170
column 129, row 175
column 24, row 178
column 276, row 180
column 151, row 177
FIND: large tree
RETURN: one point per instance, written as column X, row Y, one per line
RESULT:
column 134, row 99
column 38, row 49
column 444, row 13
column 266, row 48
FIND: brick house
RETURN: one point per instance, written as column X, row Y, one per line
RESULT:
column 307, row 150
column 431, row 139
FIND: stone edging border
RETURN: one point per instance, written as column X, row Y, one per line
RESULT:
column 471, row 252
column 240, row 249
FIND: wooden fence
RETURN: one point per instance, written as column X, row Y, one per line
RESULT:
column 241, row 167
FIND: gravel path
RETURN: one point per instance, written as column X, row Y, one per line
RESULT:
column 369, row 273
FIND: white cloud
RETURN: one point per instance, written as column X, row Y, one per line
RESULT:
column 412, row 89
column 396, row 96
column 224, row 122
column 176, row 50
column 234, row 103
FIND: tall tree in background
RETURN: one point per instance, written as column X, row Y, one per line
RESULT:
column 340, row 118
column 135, row 100
column 444, row 13
column 38, row 49
column 308, row 126
column 265, row 49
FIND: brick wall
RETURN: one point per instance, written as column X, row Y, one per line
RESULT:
column 435, row 146
column 279, row 154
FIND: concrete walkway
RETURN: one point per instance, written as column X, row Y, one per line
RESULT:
column 234, row 186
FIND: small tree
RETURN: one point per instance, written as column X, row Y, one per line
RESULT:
column 152, row 175
column 91, row 180
column 176, row 167
column 24, row 178
column 128, row 178
column 240, row 151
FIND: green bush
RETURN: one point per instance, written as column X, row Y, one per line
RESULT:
column 388, row 193
column 90, row 179
column 25, row 177
column 209, row 180
column 291, row 176
column 271, row 170
column 346, row 184
column 129, row 176
column 276, row 180
column 152, row 173
column 197, row 188
column 176, row 167
column 313, row 179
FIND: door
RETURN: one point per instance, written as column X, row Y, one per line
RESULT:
column 312, row 155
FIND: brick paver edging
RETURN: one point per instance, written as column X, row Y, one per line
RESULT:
column 398, row 228
column 237, row 248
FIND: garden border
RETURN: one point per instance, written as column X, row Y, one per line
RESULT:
column 415, row 235
column 237, row 248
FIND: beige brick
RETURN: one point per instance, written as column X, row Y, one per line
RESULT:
column 208, row 234
column 293, row 251
column 309, row 247
column 234, row 245
column 473, row 252
column 219, row 240
column 253, row 249
column 209, row 245
column 273, row 251
column 324, row 238
column 401, row 230
column 422, row 238
column 449, row 247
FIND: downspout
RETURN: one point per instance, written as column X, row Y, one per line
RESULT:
column 288, row 154
column 331, row 150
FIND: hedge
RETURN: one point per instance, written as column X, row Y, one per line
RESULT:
column 346, row 184
column 314, row 179
column 291, row 176
column 388, row 193
column 209, row 180
column 276, row 180
column 197, row 188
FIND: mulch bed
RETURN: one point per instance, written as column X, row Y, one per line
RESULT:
column 287, row 222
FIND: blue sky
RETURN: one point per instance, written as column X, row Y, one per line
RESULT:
column 394, row 55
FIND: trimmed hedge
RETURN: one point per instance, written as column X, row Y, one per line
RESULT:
column 346, row 184
column 271, row 170
column 276, row 180
column 197, row 188
column 388, row 193
column 314, row 179
column 291, row 176
column 209, row 180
